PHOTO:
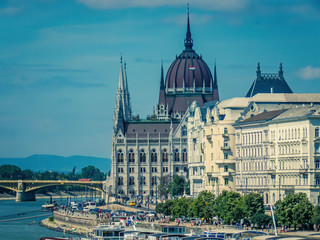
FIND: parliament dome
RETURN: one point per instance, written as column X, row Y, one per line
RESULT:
column 189, row 72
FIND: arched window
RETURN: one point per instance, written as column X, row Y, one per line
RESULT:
column 131, row 156
column 184, row 155
column 226, row 168
column 164, row 155
column 176, row 155
column 316, row 132
column 225, row 131
column 153, row 155
column 142, row 156
column 120, row 156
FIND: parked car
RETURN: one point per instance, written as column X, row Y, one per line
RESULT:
column 132, row 203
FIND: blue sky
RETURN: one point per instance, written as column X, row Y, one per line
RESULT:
column 59, row 60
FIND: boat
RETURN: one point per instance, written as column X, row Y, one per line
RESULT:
column 106, row 232
column 49, row 207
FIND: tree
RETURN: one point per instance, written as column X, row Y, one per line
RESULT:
column 177, row 187
column 10, row 172
column 163, row 187
column 253, row 204
column 92, row 173
column 295, row 209
column 187, row 187
column 180, row 207
column 316, row 215
column 204, row 205
column 27, row 174
column 230, row 207
column 167, row 207
column 261, row 219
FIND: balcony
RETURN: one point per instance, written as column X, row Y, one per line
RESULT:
column 271, row 171
column 303, row 170
column 209, row 137
column 225, row 148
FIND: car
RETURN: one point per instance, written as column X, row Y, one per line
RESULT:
column 151, row 214
column 138, row 205
column 132, row 203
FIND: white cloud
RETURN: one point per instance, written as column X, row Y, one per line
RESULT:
column 309, row 73
column 220, row 5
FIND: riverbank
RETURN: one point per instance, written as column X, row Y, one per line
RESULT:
column 82, row 225
column 53, row 195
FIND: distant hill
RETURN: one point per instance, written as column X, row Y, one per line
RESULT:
column 42, row 162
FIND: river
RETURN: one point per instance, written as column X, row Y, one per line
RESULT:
column 29, row 215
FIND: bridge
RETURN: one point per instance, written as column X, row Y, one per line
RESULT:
column 25, row 189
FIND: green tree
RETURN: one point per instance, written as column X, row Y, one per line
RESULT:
column 27, row 174
column 253, row 204
column 92, row 173
column 316, row 215
column 187, row 187
column 261, row 219
column 167, row 207
column 229, row 207
column 203, row 206
column 164, row 186
column 10, row 172
column 295, row 209
column 180, row 207
column 177, row 187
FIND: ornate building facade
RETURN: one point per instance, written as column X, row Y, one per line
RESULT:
column 143, row 150
column 278, row 153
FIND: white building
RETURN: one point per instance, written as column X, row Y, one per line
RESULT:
column 278, row 153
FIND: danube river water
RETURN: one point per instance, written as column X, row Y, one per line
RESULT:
column 25, row 218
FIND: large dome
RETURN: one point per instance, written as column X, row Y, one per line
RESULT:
column 189, row 71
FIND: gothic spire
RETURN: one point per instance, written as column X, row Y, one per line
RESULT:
column 161, row 78
column 188, row 42
column 280, row 71
column 258, row 71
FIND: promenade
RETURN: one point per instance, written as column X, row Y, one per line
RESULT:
column 82, row 223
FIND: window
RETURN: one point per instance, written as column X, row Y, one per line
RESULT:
column 183, row 131
column 143, row 181
column 131, row 181
column 131, row 170
column 164, row 155
column 120, row 170
column 153, row 169
column 177, row 169
column 226, row 181
column 164, row 169
column 225, row 144
column 120, row 156
column 120, row 180
column 225, row 131
column 176, row 156
column 316, row 132
column 142, row 156
column 226, row 168
column 225, row 155
column 184, row 155
column 317, row 147
column 153, row 155
column 317, row 163
column 154, row 181
column 131, row 156
column 143, row 169
column 318, row 180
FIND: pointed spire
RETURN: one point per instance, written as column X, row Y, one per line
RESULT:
column 258, row 71
column 280, row 71
column 188, row 42
column 162, row 78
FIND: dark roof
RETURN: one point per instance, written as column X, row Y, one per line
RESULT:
column 269, row 82
column 264, row 85
column 265, row 116
column 153, row 128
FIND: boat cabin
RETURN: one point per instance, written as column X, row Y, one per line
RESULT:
column 173, row 229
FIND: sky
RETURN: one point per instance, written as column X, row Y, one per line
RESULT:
column 60, row 60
